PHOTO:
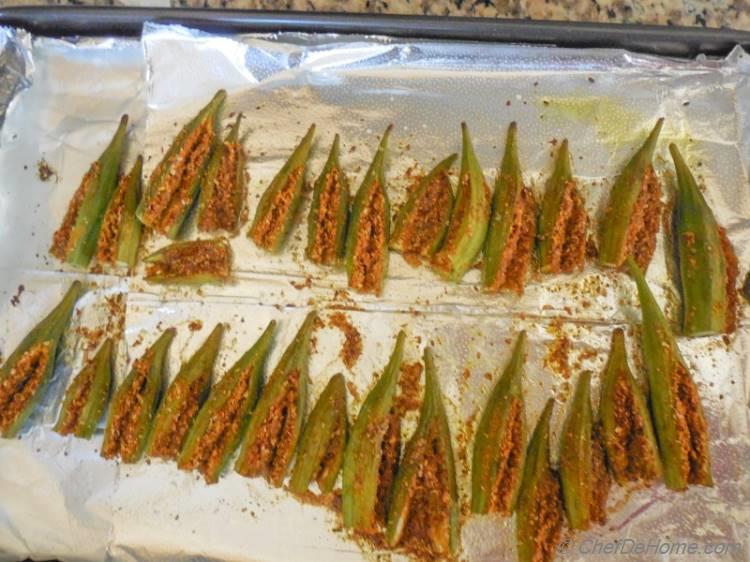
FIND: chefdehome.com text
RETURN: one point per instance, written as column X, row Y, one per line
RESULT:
column 650, row 547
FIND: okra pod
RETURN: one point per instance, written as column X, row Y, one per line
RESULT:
column 176, row 180
column 222, row 420
column 28, row 369
column 424, row 510
column 539, row 513
column 422, row 221
column 583, row 466
column 469, row 219
column 271, row 438
column 372, row 453
column 681, row 428
column 86, row 397
column 183, row 399
column 509, row 248
column 321, row 446
column 223, row 189
column 278, row 205
column 708, row 265
column 369, row 228
column 329, row 213
column 74, row 241
column 500, row 442
column 632, row 216
column 563, row 221
column 627, row 431
column 134, row 403
column 120, row 233
column 192, row 262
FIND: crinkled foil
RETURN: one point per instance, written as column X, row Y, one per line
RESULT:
column 58, row 498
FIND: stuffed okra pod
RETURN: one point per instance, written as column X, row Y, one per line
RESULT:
column 193, row 262
column 372, row 453
column 681, row 429
column 321, row 446
column 500, row 442
column 329, row 213
column 176, row 180
column 223, row 188
column 369, row 228
column 627, row 431
column 509, row 248
column 75, row 240
column 632, row 216
column 563, row 221
column 279, row 204
column 134, row 403
column 708, row 265
column 469, row 219
column 120, row 234
column 583, row 466
column 422, row 222
column 424, row 508
column 539, row 513
column 183, row 399
column 222, row 420
column 86, row 397
column 27, row 371
column 271, row 438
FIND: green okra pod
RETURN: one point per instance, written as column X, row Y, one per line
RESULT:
column 708, row 265
column 500, row 441
column 176, row 180
column 329, row 213
column 134, row 404
column 632, row 216
column 86, row 397
column 371, row 456
column 369, row 228
column 225, row 415
column 539, row 513
column 583, row 466
column 563, row 221
column 424, row 509
column 422, row 222
column 627, row 431
column 469, row 219
column 274, row 429
column 279, row 204
column 75, row 240
column 509, row 248
column 193, row 262
column 28, row 369
column 321, row 446
column 183, row 399
column 681, row 428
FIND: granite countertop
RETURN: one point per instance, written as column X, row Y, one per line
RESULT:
column 706, row 13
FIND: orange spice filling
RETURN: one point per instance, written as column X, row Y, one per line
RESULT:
column 426, row 221
column 519, row 247
column 733, row 273
column 601, row 481
column 323, row 247
column 274, row 442
column 410, row 391
column 167, row 444
column 640, row 241
column 547, row 517
column 333, row 451
column 82, row 388
column 125, row 428
column 194, row 258
column 18, row 388
column 224, row 207
column 569, row 233
column 509, row 471
column 691, row 428
column 368, row 262
column 61, row 240
column 389, row 460
column 173, row 191
column 269, row 227
column 109, row 235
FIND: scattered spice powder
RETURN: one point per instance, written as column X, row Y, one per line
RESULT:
column 195, row 325
column 557, row 356
column 44, row 171
column 351, row 350
column 15, row 300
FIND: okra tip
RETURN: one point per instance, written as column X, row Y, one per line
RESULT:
column 123, row 121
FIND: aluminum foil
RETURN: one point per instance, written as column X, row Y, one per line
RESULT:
column 60, row 499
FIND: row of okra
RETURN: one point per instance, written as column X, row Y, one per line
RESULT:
column 409, row 498
column 508, row 230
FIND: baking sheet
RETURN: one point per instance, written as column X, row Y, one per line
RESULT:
column 68, row 503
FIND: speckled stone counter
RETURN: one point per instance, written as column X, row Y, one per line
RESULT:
column 707, row 13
